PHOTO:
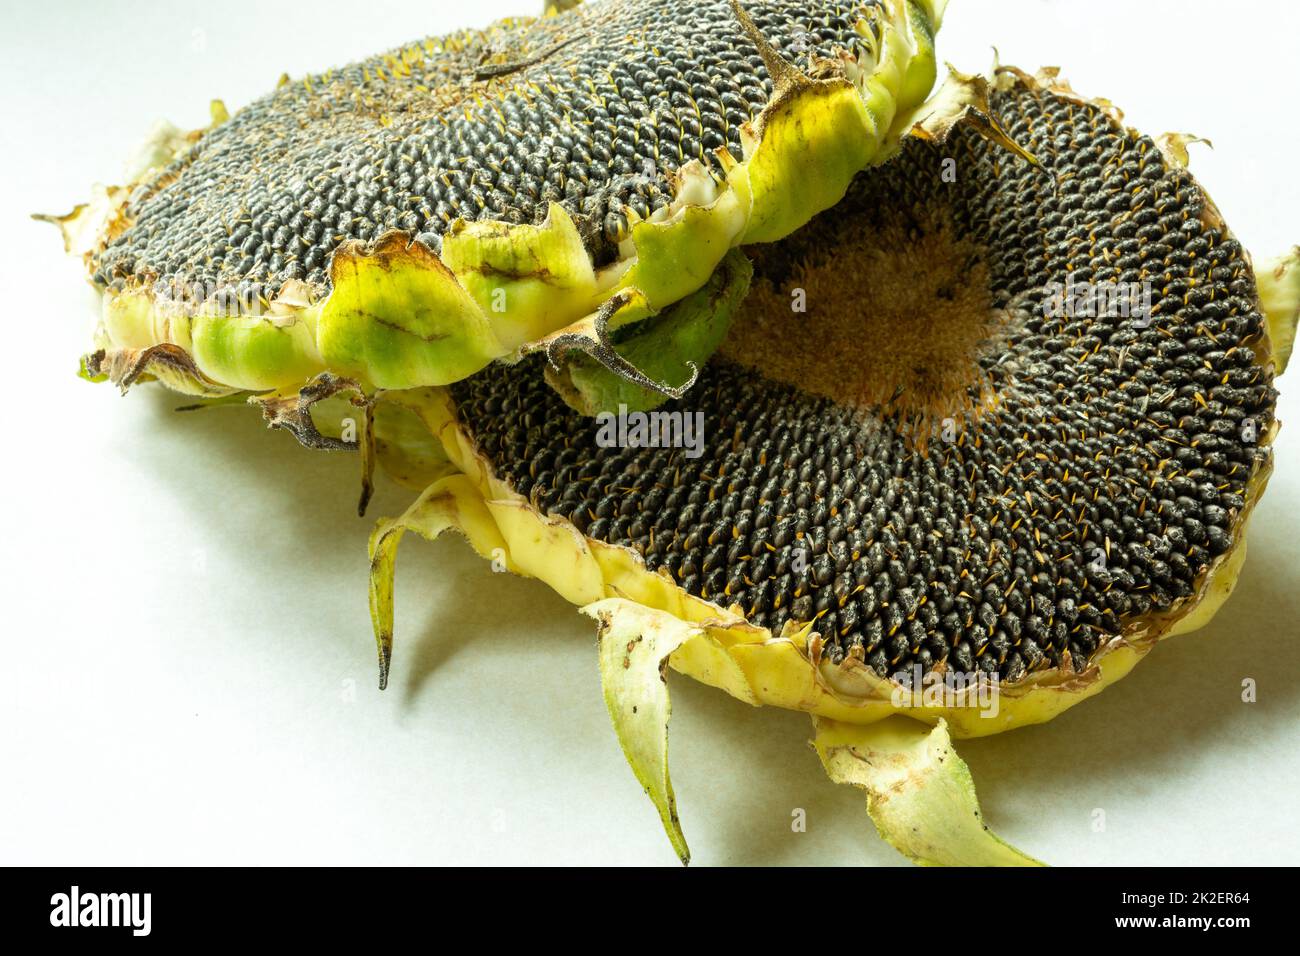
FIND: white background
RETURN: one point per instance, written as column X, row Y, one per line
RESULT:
column 184, row 597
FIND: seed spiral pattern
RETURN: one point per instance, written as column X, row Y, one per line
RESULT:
column 1096, row 489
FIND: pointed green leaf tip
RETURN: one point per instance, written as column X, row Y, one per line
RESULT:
column 450, row 503
column 919, row 792
column 634, row 651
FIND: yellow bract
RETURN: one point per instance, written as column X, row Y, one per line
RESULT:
column 919, row 792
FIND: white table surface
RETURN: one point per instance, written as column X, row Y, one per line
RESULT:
column 186, row 669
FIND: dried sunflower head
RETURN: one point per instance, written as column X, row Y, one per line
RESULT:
column 404, row 221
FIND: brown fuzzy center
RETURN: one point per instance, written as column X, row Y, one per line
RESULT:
column 892, row 317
